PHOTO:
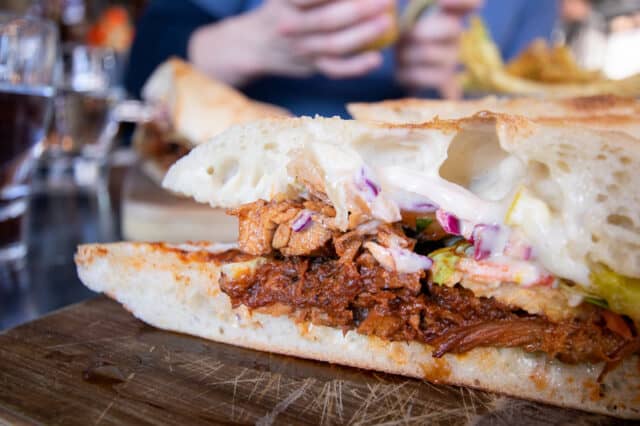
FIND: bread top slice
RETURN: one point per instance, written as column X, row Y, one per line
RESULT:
column 251, row 162
column 198, row 106
column 599, row 112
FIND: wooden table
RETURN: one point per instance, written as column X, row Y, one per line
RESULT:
column 94, row 363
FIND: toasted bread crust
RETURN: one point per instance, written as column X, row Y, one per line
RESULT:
column 594, row 110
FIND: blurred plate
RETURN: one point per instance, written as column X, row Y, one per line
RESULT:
column 149, row 213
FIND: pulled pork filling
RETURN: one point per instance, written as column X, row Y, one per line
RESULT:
column 316, row 273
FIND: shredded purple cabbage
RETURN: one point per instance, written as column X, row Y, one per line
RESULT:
column 424, row 207
column 519, row 250
column 366, row 185
column 450, row 223
column 372, row 186
column 481, row 238
column 302, row 222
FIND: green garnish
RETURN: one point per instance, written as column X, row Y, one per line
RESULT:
column 423, row 223
column 597, row 301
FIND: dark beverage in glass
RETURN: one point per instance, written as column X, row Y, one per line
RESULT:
column 24, row 115
column 28, row 57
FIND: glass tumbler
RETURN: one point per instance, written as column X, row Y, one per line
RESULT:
column 28, row 58
column 84, row 124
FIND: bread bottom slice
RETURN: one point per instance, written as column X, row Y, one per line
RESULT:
column 175, row 287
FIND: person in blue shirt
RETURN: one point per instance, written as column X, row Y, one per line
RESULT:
column 308, row 56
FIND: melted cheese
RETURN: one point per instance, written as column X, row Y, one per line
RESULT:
column 240, row 269
column 549, row 235
column 497, row 182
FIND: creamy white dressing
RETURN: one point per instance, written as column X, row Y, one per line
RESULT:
column 466, row 228
column 449, row 196
column 398, row 259
column 493, row 240
column 492, row 244
column 402, row 188
column 410, row 201
column 409, row 262
column 384, row 209
column 340, row 167
column 546, row 235
column 211, row 248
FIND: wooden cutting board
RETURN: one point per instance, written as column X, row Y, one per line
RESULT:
column 94, row 363
column 149, row 213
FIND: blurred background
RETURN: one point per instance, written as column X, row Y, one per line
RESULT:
column 82, row 180
column 595, row 29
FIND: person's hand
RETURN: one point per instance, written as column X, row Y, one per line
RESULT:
column 427, row 56
column 293, row 38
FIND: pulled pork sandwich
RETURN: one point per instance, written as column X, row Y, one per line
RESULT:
column 190, row 108
column 492, row 252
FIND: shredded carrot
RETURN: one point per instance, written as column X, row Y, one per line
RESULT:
column 484, row 271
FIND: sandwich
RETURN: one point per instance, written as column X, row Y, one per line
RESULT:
column 493, row 252
column 189, row 108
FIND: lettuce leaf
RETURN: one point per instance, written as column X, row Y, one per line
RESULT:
column 445, row 261
column 621, row 293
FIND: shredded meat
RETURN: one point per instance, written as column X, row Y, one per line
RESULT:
column 364, row 296
column 258, row 222
column 267, row 227
column 348, row 245
column 306, row 242
column 328, row 277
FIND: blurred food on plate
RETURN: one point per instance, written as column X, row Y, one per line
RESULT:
column 113, row 29
column 539, row 70
column 603, row 34
column 550, row 64
column 190, row 108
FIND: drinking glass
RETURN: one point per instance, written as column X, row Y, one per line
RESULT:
column 84, row 123
column 28, row 56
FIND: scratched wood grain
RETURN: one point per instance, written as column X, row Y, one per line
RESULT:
column 94, row 363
